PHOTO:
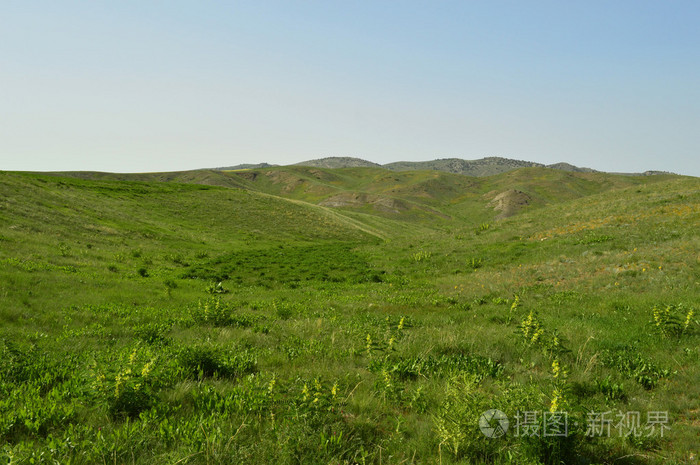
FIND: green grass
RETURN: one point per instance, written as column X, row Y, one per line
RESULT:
column 151, row 319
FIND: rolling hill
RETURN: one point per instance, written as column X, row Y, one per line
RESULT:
column 352, row 315
column 412, row 196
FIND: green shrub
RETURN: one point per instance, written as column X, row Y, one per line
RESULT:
column 457, row 419
column 441, row 365
column 634, row 365
column 216, row 288
column 283, row 310
column 483, row 227
column 672, row 320
column 207, row 361
column 421, row 256
column 131, row 386
column 213, row 311
column 30, row 411
column 611, row 391
column 153, row 333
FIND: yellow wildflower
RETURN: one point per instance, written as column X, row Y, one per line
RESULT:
column 688, row 317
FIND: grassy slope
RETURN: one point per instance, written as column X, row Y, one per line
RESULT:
column 448, row 193
column 58, row 224
column 308, row 288
column 424, row 195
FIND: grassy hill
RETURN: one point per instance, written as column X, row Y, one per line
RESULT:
column 432, row 194
column 205, row 177
column 413, row 196
column 235, row 317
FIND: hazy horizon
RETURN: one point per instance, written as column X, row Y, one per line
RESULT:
column 146, row 87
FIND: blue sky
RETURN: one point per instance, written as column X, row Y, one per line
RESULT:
column 159, row 86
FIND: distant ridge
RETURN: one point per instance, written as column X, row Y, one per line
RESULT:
column 655, row 173
column 488, row 166
column 246, row 166
column 481, row 167
column 339, row 162
column 569, row 167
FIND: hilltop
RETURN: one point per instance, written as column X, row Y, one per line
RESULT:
column 482, row 167
column 338, row 162
column 246, row 166
column 488, row 166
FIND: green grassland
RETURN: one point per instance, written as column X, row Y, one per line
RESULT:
column 408, row 196
column 243, row 317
